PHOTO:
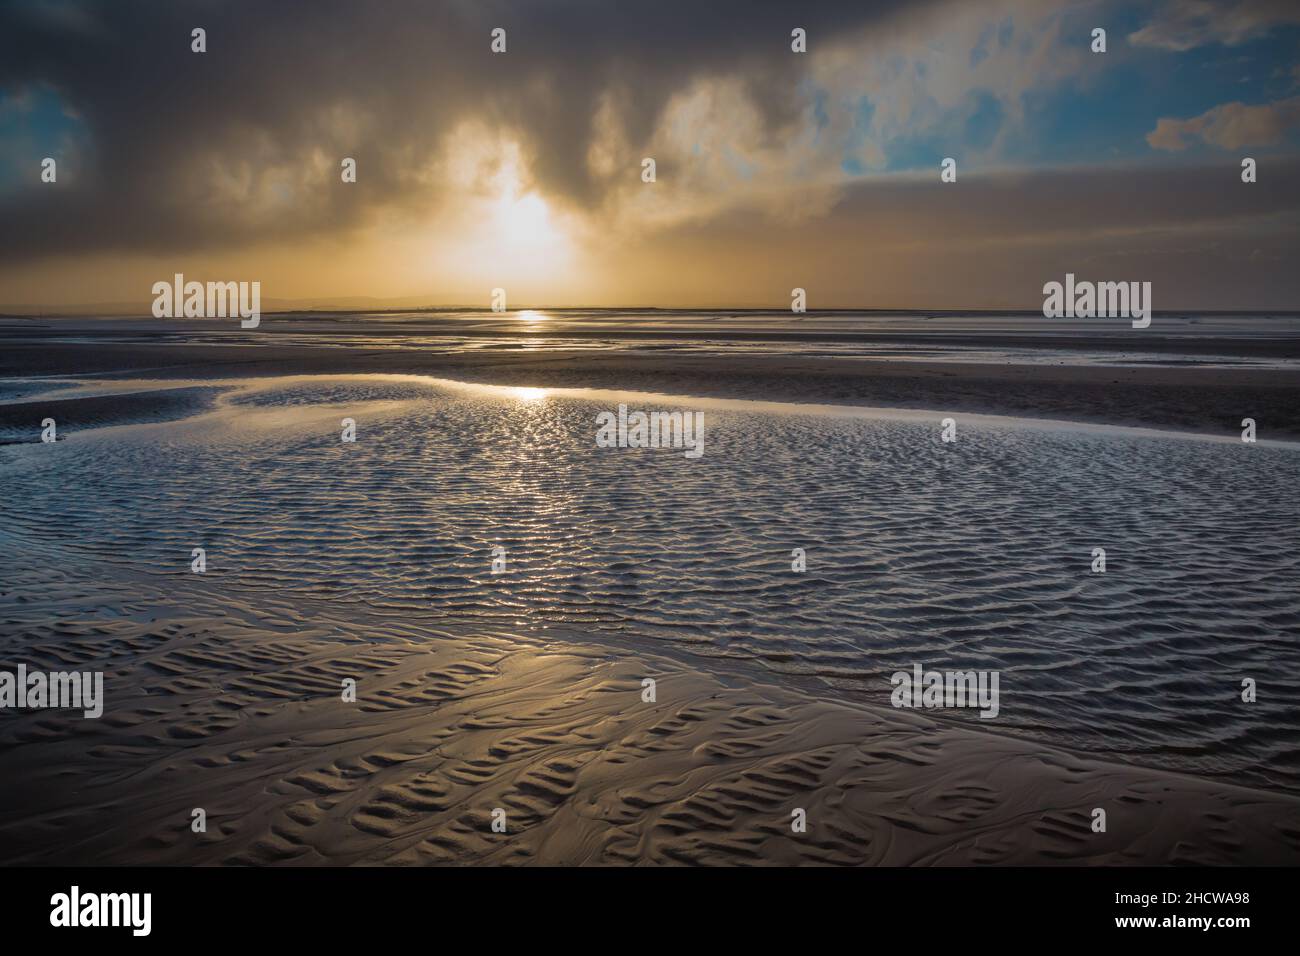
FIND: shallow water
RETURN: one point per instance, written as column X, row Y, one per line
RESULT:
column 972, row 555
column 1207, row 340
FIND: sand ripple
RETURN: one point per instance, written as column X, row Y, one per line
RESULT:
column 971, row 555
column 233, row 706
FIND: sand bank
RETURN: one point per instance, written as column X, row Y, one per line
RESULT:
column 1185, row 397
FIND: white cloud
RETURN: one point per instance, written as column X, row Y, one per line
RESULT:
column 1187, row 24
column 1229, row 126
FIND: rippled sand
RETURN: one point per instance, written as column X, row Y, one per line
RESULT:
column 522, row 690
column 233, row 706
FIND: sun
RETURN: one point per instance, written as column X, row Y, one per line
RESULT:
column 524, row 220
column 498, row 227
column 522, row 233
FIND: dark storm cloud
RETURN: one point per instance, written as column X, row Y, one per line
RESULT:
column 161, row 121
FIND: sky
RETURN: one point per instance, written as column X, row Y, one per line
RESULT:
column 774, row 169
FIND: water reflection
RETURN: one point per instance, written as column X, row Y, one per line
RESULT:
column 527, row 394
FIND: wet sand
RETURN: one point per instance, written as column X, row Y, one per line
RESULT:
column 1176, row 396
column 233, row 706
column 229, row 700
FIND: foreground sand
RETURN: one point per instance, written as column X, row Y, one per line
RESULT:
column 232, row 704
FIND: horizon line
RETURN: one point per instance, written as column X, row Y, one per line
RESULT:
column 90, row 312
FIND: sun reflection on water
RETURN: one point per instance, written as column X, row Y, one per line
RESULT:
column 527, row 394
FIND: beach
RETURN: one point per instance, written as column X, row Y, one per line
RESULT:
column 232, row 707
column 1198, row 374
column 523, row 689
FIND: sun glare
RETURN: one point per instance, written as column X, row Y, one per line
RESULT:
column 525, row 220
column 528, row 394
column 499, row 229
